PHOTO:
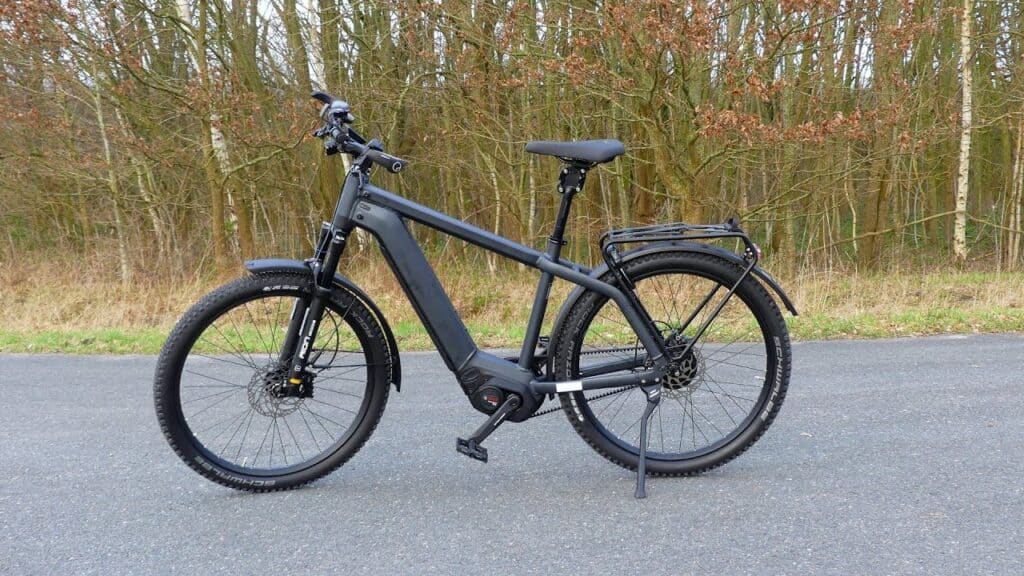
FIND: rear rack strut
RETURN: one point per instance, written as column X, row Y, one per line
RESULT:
column 677, row 232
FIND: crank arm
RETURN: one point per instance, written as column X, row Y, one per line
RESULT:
column 473, row 446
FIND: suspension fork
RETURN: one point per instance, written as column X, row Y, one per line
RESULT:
column 305, row 320
column 306, row 316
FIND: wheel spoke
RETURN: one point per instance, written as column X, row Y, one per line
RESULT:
column 225, row 382
column 256, row 459
column 230, row 419
column 247, row 417
column 333, row 406
column 241, row 339
column 214, row 358
column 333, row 391
column 225, row 350
column 711, row 377
column 294, row 440
column 245, row 434
column 215, row 403
column 231, row 383
column 310, row 429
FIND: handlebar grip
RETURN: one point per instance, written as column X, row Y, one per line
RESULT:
column 390, row 163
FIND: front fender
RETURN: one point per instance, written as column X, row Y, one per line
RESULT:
column 600, row 270
column 273, row 265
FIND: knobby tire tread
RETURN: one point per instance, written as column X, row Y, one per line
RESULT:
column 581, row 310
column 216, row 299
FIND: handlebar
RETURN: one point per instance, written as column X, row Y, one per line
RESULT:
column 392, row 164
column 339, row 137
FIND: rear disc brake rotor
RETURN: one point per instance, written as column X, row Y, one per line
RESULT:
column 687, row 371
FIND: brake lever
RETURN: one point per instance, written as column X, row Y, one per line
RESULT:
column 330, row 146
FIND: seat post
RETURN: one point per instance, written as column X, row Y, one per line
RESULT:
column 570, row 182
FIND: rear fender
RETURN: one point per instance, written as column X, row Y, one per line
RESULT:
column 274, row 265
column 702, row 248
column 721, row 253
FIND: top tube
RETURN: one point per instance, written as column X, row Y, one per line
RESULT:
column 461, row 230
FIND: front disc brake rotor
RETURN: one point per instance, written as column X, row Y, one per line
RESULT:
column 265, row 395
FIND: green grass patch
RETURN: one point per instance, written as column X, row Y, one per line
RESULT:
column 103, row 341
column 412, row 336
column 908, row 323
column 103, row 317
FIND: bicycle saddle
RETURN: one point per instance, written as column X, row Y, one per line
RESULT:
column 592, row 151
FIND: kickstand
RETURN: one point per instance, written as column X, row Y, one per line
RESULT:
column 653, row 393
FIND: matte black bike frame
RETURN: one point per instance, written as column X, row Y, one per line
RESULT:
column 506, row 388
column 382, row 213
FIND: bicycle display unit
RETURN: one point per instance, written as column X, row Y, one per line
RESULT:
column 670, row 358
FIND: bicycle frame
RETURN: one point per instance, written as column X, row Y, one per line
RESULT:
column 667, row 358
column 383, row 214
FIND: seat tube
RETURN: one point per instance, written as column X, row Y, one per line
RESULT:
column 540, row 299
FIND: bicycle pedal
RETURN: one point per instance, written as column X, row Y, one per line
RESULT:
column 471, row 449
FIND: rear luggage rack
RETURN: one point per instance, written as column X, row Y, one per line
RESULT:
column 677, row 232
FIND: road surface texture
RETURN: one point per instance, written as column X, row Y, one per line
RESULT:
column 889, row 457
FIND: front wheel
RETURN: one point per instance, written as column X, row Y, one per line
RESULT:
column 726, row 389
column 220, row 380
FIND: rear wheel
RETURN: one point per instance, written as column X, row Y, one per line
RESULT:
column 726, row 390
column 220, row 385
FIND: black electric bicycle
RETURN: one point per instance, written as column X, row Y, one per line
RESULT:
column 670, row 358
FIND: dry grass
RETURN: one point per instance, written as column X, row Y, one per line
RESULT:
column 77, row 307
column 905, row 303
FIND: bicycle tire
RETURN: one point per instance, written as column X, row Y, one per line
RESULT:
column 570, row 344
column 188, row 341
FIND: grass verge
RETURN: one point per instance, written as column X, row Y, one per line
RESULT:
column 82, row 314
column 412, row 336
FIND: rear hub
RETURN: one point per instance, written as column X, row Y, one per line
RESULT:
column 687, row 371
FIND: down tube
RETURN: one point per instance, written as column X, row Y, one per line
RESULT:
column 419, row 282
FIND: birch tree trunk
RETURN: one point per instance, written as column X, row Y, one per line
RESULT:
column 217, row 155
column 963, row 174
column 1013, row 243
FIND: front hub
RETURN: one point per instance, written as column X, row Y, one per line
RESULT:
column 270, row 393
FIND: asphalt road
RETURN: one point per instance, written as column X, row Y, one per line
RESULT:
column 889, row 457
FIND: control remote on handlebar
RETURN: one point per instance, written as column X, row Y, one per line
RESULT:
column 339, row 137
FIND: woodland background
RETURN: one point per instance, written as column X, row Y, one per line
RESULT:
column 170, row 139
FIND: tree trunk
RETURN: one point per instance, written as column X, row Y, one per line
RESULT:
column 216, row 148
column 1014, row 206
column 115, row 190
column 963, row 173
